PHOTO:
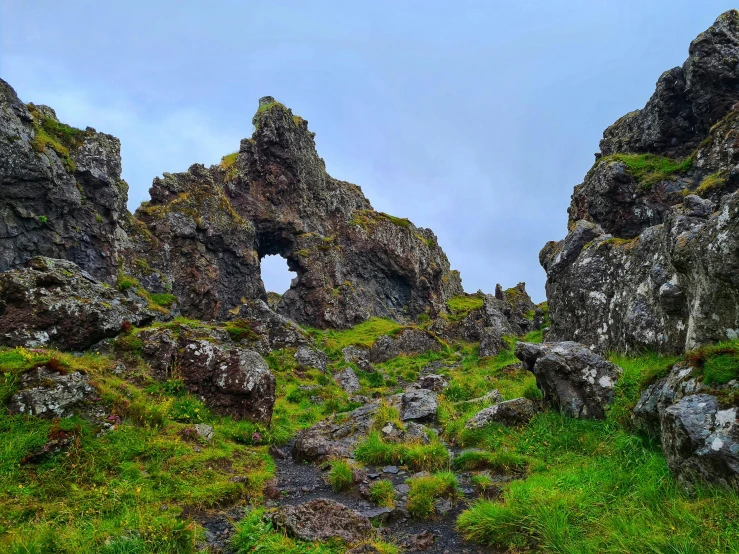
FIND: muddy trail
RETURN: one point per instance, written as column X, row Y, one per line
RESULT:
column 302, row 482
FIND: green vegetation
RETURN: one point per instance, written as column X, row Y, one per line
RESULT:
column 163, row 299
column 340, row 475
column 649, row 169
column 504, row 461
column 369, row 219
column 425, row 490
column 106, row 492
column 228, row 164
column 460, row 306
column 43, row 219
column 418, row 457
column 382, row 493
column 256, row 534
column 713, row 183
column 59, row 137
column 363, row 335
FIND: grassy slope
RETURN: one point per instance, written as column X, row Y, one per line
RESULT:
column 589, row 486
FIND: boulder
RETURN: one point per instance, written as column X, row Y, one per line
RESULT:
column 407, row 342
column 701, row 441
column 322, row 520
column 436, row 383
column 309, row 358
column 518, row 411
column 54, row 301
column 231, row 380
column 50, row 394
column 572, row 378
column 347, row 380
column 418, row 404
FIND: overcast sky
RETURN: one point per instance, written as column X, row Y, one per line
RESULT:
column 473, row 118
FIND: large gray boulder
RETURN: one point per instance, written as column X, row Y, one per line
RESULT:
column 54, row 301
column 518, row 411
column 50, row 394
column 347, row 380
column 572, row 377
column 418, row 404
column 701, row 441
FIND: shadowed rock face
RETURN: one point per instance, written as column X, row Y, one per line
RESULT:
column 650, row 260
column 61, row 192
column 204, row 232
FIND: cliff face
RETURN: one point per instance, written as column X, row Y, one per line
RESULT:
column 652, row 254
column 204, row 232
column 61, row 192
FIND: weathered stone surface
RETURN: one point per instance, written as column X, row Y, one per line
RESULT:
column 309, row 358
column 436, row 383
column 231, row 380
column 337, row 435
column 407, row 341
column 701, row 441
column 699, row 437
column 572, row 377
column 69, row 203
column 347, row 380
column 650, row 265
column 418, row 404
column 204, row 232
column 47, row 393
column 518, row 411
column 54, row 301
column 323, row 519
column 688, row 99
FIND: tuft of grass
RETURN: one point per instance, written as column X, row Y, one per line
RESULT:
column 425, row 490
column 228, row 164
column 163, row 299
column 340, row 475
column 363, row 335
column 649, row 169
column 418, row 457
column 382, row 493
column 460, row 306
column 504, row 461
column 712, row 183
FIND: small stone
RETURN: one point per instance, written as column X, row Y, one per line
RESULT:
column 373, row 475
column 390, row 469
column 204, row 431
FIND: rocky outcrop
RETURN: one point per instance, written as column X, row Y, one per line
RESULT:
column 54, row 301
column 61, row 192
column 204, row 232
column 323, row 519
column 419, row 404
column 649, row 259
column 231, row 380
column 698, row 431
column 506, row 313
column 572, row 378
column 347, row 380
column 688, row 99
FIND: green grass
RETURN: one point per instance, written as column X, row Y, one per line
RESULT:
column 108, row 487
column 340, row 475
column 721, row 369
column 382, row 493
column 163, row 299
column 417, row 457
column 649, row 169
column 425, row 490
column 503, row 461
column 712, row 183
column 365, row 334
column 460, row 306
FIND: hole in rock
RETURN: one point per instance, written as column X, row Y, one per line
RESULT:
column 276, row 275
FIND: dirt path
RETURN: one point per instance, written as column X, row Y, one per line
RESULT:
column 302, row 482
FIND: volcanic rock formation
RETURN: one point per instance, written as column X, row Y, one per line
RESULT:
column 650, row 260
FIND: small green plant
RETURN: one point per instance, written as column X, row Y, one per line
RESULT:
column 188, row 409
column 503, row 460
column 43, row 219
column 163, row 299
column 125, row 282
column 98, row 218
column 382, row 493
column 649, row 169
column 340, row 476
column 424, row 491
column 418, row 457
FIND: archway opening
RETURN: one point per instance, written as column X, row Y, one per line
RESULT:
column 277, row 277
